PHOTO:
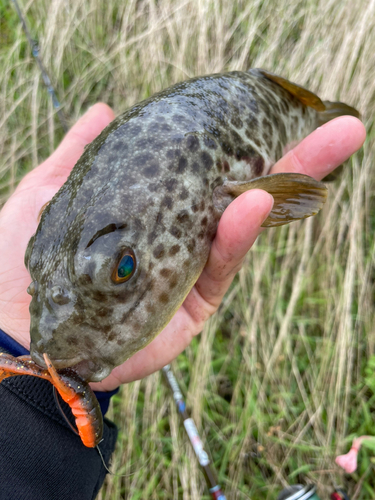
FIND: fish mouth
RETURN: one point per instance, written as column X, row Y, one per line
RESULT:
column 86, row 369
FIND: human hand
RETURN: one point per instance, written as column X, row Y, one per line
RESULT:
column 317, row 155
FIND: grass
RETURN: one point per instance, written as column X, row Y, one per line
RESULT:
column 283, row 376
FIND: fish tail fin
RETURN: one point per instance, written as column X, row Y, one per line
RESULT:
column 335, row 109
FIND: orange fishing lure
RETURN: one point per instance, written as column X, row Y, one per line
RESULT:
column 73, row 390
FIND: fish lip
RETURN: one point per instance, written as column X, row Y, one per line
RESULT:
column 57, row 363
column 86, row 369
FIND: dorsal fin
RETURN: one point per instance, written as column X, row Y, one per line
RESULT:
column 303, row 95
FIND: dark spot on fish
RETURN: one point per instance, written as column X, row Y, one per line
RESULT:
column 184, row 194
column 151, row 170
column 252, row 105
column 89, row 343
column 84, row 279
column 277, row 106
column 150, row 308
column 119, row 146
column 167, row 202
column 190, row 245
column 236, row 121
column 99, row 296
column 135, row 129
column 282, row 132
column 135, row 326
column 159, row 251
column 142, row 143
column 209, row 143
column 171, row 184
column 186, row 264
column 120, row 342
column 173, row 153
column 183, row 216
column 195, row 207
column 105, row 328
column 267, row 128
column 174, row 250
column 72, row 339
column 214, row 184
column 192, row 143
column 265, row 106
column 226, row 166
column 279, row 150
column 154, row 127
column 195, row 167
column 206, row 160
column 202, row 204
column 165, row 272
column 141, row 159
column 151, row 237
column 164, row 298
column 182, row 164
column 255, row 140
column 153, row 187
column 178, row 119
column 227, row 148
column 175, row 232
column 258, row 166
column 164, row 127
column 236, row 137
column 173, row 282
column 204, row 221
column 201, row 235
column 252, row 122
column 103, row 311
column 111, row 337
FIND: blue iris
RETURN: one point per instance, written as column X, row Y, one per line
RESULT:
column 125, row 267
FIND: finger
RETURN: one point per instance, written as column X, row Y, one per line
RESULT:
column 324, row 149
column 238, row 228
column 55, row 170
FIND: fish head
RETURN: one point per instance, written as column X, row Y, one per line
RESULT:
column 100, row 290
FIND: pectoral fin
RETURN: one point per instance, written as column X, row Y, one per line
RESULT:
column 296, row 196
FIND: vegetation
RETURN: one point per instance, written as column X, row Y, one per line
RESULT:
column 282, row 377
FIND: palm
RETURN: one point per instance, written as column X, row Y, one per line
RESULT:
column 238, row 229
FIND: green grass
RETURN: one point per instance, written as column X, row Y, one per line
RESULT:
column 282, row 377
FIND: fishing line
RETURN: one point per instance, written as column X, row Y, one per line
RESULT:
column 62, row 411
column 58, row 404
column 47, row 82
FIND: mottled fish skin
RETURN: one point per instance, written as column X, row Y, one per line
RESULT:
column 146, row 183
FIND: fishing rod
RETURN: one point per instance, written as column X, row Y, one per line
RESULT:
column 192, row 432
column 189, row 425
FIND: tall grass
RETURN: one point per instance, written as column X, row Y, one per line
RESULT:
column 276, row 382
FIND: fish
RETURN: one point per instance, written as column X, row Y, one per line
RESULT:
column 121, row 244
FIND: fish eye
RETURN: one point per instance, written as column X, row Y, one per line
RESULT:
column 125, row 267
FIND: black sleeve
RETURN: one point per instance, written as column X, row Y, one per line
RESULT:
column 40, row 456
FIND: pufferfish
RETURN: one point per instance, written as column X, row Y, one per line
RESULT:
column 123, row 241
